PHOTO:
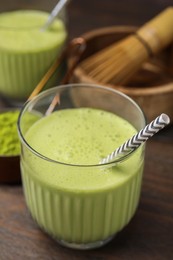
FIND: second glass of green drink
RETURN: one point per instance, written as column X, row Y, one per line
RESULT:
column 27, row 52
column 75, row 199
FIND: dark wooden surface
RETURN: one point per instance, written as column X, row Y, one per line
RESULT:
column 150, row 233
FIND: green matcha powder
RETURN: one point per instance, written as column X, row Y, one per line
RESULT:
column 9, row 141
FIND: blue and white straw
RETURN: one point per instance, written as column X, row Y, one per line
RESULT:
column 142, row 136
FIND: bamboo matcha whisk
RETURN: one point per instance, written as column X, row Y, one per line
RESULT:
column 118, row 62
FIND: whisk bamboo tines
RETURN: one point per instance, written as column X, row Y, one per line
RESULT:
column 117, row 63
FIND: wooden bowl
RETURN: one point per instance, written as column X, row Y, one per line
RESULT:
column 151, row 87
column 10, row 170
column 9, row 165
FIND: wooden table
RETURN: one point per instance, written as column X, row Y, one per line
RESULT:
column 150, row 233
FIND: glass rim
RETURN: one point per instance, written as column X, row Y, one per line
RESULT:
column 28, row 27
column 53, row 90
column 21, row 28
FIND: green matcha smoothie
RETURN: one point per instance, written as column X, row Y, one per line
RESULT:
column 72, row 197
column 26, row 52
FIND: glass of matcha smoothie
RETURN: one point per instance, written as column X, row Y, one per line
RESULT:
column 26, row 52
column 76, row 200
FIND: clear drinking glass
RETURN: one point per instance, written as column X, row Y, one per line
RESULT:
column 90, row 214
column 26, row 52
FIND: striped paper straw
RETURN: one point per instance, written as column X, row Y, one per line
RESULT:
column 135, row 141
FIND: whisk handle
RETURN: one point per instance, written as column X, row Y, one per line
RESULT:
column 158, row 32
